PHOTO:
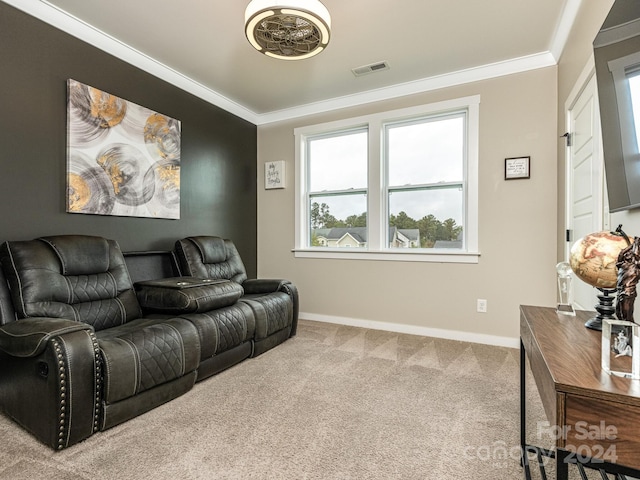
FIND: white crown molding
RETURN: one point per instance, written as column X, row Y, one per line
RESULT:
column 74, row 26
column 59, row 19
column 482, row 338
column 483, row 72
column 568, row 18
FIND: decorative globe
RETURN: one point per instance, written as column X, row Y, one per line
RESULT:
column 593, row 258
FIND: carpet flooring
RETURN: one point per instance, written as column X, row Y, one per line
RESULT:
column 334, row 402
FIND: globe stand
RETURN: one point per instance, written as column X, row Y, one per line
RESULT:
column 604, row 307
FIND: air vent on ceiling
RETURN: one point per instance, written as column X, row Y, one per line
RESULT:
column 373, row 67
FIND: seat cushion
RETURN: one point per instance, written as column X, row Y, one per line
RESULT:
column 145, row 353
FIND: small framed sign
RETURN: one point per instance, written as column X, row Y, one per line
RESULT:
column 517, row 167
column 274, row 175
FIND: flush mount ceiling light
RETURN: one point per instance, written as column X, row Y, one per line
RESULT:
column 287, row 29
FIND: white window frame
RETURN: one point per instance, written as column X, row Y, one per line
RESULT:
column 376, row 198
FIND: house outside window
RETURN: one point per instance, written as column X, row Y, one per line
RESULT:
column 399, row 185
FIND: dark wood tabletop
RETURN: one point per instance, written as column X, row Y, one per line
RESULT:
column 573, row 355
column 565, row 360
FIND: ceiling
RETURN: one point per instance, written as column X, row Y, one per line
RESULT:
column 200, row 46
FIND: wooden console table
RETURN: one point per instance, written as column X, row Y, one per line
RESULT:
column 596, row 415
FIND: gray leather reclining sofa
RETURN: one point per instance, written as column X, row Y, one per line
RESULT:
column 91, row 337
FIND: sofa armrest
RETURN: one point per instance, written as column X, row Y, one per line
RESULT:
column 50, row 370
column 264, row 285
column 187, row 294
column 291, row 290
column 28, row 337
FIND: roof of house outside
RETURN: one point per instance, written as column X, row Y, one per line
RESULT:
column 412, row 234
column 448, row 244
column 457, row 243
column 360, row 233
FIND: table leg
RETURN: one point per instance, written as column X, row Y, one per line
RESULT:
column 562, row 467
column 524, row 459
column 523, row 412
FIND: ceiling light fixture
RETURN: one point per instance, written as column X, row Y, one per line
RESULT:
column 300, row 29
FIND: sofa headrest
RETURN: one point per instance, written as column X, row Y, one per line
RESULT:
column 212, row 249
column 80, row 254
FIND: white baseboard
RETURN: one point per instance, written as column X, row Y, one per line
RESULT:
column 415, row 330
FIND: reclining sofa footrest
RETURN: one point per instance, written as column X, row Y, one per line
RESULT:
column 131, row 407
column 261, row 346
column 224, row 360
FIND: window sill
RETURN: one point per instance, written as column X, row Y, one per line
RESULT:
column 437, row 256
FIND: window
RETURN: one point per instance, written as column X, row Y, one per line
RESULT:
column 399, row 185
column 337, row 188
column 425, row 181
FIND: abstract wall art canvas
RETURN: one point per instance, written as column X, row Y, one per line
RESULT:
column 122, row 159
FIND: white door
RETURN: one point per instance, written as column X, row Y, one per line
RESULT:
column 585, row 181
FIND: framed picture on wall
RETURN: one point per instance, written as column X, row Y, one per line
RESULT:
column 122, row 159
column 517, row 167
column 274, row 175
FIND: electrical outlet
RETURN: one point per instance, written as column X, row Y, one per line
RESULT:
column 482, row 305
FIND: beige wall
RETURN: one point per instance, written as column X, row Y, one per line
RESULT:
column 517, row 225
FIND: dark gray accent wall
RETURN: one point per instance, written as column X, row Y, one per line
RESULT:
column 218, row 159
